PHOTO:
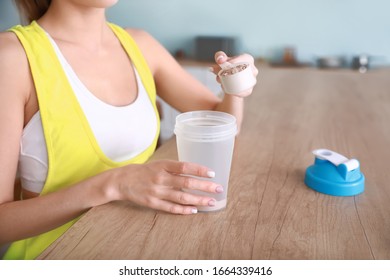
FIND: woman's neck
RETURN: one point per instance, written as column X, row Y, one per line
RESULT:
column 81, row 25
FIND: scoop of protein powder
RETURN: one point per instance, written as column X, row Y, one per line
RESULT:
column 236, row 77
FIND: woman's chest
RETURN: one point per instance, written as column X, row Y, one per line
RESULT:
column 108, row 74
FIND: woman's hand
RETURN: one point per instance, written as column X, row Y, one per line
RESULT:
column 221, row 57
column 159, row 185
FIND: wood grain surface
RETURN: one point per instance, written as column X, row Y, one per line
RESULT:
column 271, row 213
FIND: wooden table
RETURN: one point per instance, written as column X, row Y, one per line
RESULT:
column 271, row 213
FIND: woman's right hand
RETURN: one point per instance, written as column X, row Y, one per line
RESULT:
column 159, row 185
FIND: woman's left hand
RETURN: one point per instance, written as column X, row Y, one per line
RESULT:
column 221, row 57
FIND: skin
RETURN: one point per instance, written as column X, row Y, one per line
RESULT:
column 79, row 28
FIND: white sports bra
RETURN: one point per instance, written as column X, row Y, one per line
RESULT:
column 122, row 132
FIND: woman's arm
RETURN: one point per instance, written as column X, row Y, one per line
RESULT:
column 19, row 219
column 14, row 93
column 182, row 91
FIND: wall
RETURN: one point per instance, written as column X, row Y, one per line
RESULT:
column 8, row 14
column 314, row 27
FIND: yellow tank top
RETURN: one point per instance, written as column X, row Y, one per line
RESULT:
column 73, row 152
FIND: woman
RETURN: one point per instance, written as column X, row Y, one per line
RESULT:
column 78, row 120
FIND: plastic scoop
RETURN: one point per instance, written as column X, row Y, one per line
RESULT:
column 236, row 77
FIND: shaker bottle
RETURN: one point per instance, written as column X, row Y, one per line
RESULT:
column 207, row 138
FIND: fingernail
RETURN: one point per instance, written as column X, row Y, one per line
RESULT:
column 194, row 210
column 211, row 174
column 219, row 58
column 212, row 202
column 219, row 189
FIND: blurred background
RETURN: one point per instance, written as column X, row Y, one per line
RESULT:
column 278, row 31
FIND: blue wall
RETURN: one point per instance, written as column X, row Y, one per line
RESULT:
column 313, row 27
column 8, row 14
column 264, row 27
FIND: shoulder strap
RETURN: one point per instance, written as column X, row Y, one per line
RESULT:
column 137, row 58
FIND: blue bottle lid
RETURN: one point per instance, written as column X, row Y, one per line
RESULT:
column 334, row 174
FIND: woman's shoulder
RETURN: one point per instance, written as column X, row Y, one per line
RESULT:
column 11, row 49
column 8, row 41
column 144, row 40
column 140, row 36
column 149, row 46
column 14, row 66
